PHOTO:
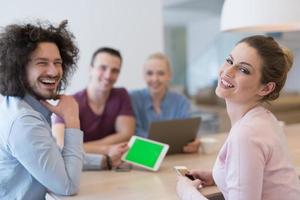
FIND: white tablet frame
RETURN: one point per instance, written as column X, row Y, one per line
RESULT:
column 159, row 159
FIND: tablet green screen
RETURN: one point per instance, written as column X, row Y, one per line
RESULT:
column 144, row 152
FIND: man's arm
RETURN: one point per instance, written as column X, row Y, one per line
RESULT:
column 59, row 171
column 58, row 132
column 125, row 126
column 90, row 161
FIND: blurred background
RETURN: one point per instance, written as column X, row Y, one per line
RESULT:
column 188, row 31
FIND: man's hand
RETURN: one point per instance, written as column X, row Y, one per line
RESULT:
column 67, row 108
column 115, row 153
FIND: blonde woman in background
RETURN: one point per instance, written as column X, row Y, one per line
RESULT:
column 157, row 102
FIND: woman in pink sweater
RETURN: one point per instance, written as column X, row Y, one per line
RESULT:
column 253, row 163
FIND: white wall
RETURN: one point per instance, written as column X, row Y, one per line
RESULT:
column 291, row 40
column 202, row 53
column 135, row 27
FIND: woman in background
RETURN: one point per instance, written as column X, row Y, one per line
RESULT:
column 253, row 163
column 157, row 102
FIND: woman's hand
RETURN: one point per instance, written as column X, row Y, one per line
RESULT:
column 205, row 177
column 187, row 188
column 192, row 147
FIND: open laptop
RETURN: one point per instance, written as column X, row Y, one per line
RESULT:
column 176, row 133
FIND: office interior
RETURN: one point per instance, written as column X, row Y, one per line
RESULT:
column 188, row 31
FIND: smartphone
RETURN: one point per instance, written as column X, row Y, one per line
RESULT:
column 183, row 171
column 123, row 167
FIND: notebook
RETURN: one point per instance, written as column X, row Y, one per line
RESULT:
column 176, row 133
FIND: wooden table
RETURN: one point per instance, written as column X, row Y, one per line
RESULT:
column 143, row 185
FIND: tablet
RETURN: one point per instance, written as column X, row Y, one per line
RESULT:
column 145, row 153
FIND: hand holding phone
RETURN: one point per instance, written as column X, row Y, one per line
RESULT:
column 183, row 171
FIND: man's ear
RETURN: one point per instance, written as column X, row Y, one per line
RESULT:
column 90, row 71
column 90, row 68
column 267, row 89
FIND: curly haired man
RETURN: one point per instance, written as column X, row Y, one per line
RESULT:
column 35, row 62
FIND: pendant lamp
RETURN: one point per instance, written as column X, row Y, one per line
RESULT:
column 260, row 15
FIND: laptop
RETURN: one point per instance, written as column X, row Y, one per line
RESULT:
column 176, row 133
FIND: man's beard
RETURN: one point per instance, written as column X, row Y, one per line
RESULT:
column 54, row 95
column 34, row 90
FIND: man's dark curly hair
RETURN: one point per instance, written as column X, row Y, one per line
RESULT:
column 17, row 42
